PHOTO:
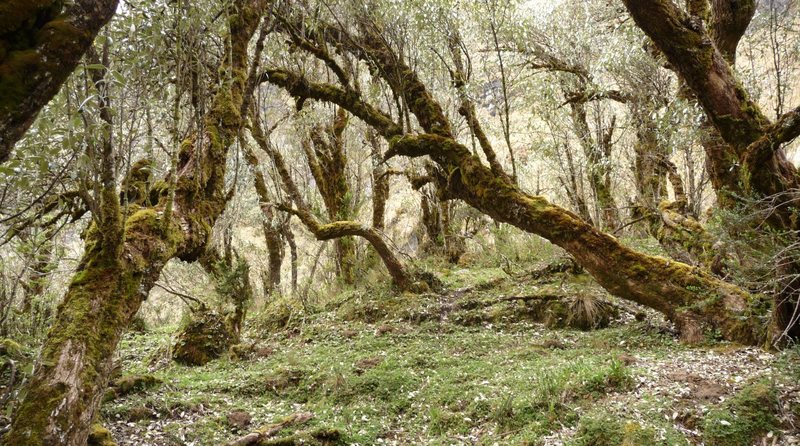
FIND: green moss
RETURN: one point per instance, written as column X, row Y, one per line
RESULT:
column 608, row 430
column 100, row 436
column 11, row 349
column 130, row 384
column 741, row 420
column 208, row 336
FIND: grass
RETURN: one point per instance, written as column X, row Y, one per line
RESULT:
column 382, row 368
column 426, row 384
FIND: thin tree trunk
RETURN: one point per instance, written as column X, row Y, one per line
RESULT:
column 596, row 166
column 380, row 183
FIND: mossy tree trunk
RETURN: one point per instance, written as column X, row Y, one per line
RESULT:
column 326, row 157
column 273, row 226
column 669, row 222
column 696, row 301
column 380, row 182
column 231, row 275
column 122, row 261
column 597, row 152
column 41, row 43
column 752, row 162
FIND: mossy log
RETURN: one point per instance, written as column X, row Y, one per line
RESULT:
column 263, row 435
column 123, row 260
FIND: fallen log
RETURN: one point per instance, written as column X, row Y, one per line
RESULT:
column 254, row 438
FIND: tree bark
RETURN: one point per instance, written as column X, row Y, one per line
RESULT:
column 123, row 261
column 753, row 161
column 753, row 142
column 596, row 153
column 271, row 225
column 696, row 301
column 380, row 183
column 41, row 43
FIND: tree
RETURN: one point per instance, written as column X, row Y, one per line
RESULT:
column 751, row 162
column 333, row 230
column 124, row 257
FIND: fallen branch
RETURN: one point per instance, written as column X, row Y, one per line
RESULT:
column 267, row 432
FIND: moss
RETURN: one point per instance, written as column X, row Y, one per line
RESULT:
column 100, row 436
column 11, row 349
column 208, row 336
column 599, row 431
column 607, row 430
column 741, row 420
column 130, row 384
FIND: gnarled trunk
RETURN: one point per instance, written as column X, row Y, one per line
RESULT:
column 752, row 161
column 696, row 301
column 325, row 154
column 333, row 230
column 692, row 298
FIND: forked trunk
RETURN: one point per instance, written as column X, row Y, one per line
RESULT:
column 124, row 259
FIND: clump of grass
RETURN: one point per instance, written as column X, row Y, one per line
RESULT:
column 741, row 420
column 608, row 430
column 589, row 312
column 602, row 430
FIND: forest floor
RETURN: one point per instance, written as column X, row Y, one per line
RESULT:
column 476, row 365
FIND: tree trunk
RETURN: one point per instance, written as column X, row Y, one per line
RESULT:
column 334, row 230
column 73, row 368
column 597, row 167
column 325, row 154
column 752, row 162
column 272, row 227
column 696, row 301
column 40, row 47
column 380, row 183
column 289, row 236
column 275, row 255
